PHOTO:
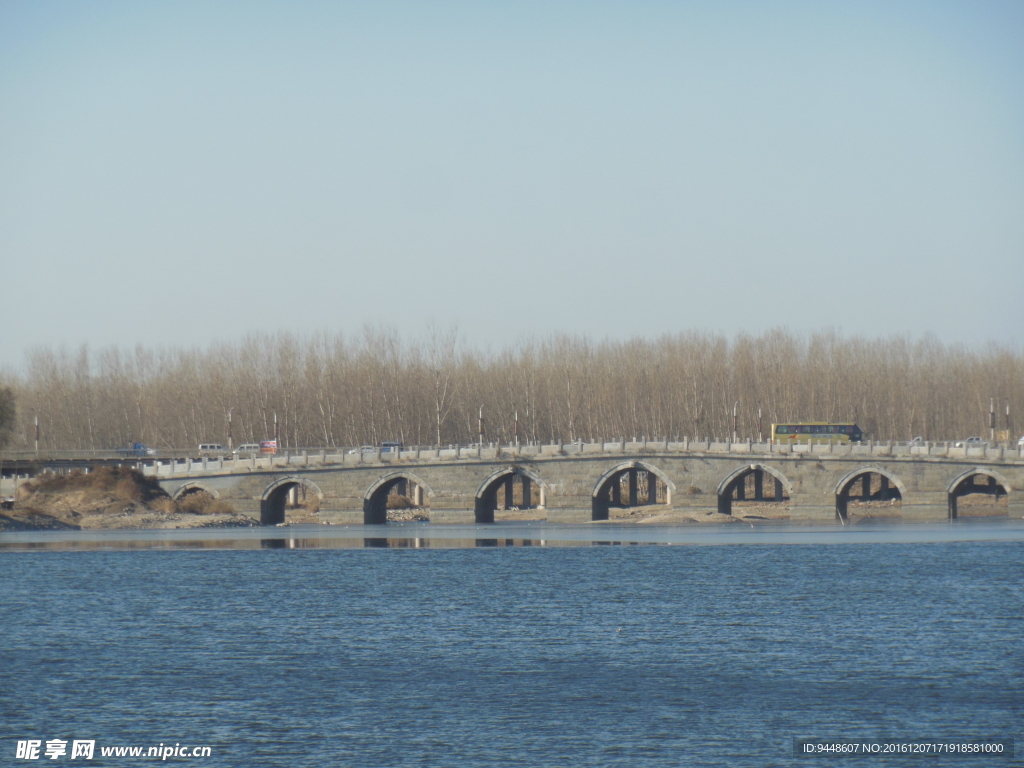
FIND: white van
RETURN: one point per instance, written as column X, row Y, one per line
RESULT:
column 247, row 449
column 211, row 448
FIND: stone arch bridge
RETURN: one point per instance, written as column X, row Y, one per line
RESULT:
column 584, row 482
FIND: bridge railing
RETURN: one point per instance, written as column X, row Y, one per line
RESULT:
column 334, row 457
column 173, row 462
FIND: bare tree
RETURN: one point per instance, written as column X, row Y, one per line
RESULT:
column 441, row 362
column 332, row 390
column 8, row 414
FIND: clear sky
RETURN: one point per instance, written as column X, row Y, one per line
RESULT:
column 179, row 173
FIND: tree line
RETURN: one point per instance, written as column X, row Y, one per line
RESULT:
column 332, row 390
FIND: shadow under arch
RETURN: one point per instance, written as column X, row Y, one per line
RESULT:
column 509, row 477
column 608, row 491
column 964, row 484
column 375, row 500
column 195, row 487
column 877, row 484
column 735, row 483
column 282, row 493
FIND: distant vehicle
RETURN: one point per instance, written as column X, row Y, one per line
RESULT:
column 246, row 449
column 916, row 441
column 136, row 450
column 363, row 449
column 390, row 445
column 970, row 442
column 211, row 448
column 833, row 432
column 1020, row 443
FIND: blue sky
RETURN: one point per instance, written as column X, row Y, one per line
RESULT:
column 181, row 173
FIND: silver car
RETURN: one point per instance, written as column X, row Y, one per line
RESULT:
column 971, row 442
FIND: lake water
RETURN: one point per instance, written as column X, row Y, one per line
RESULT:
column 304, row 654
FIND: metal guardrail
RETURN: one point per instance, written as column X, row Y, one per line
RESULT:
column 72, row 455
column 474, row 450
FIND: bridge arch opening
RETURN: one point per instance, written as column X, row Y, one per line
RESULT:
column 290, row 499
column 198, row 499
column 631, row 485
column 193, row 488
column 979, row 493
column 397, row 497
column 514, row 491
column 869, row 492
column 755, row 489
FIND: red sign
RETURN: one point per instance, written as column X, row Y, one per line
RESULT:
column 268, row 446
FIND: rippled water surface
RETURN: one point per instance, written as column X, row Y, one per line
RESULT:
column 493, row 656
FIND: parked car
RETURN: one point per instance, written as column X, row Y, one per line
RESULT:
column 971, row 442
column 137, row 450
column 386, row 447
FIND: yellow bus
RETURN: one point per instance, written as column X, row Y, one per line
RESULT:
column 845, row 432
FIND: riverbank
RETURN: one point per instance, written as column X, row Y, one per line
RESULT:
column 509, row 534
column 78, row 511
column 111, row 498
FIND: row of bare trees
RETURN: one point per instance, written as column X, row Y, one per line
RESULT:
column 330, row 390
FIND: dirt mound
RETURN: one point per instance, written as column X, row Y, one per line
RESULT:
column 110, row 497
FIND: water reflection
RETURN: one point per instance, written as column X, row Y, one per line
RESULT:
column 292, row 543
column 509, row 536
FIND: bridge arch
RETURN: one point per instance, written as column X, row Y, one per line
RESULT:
column 877, row 484
column 284, row 493
column 405, row 487
column 996, row 489
column 735, row 486
column 195, row 487
column 510, row 479
column 609, row 492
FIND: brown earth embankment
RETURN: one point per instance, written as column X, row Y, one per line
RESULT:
column 110, row 498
